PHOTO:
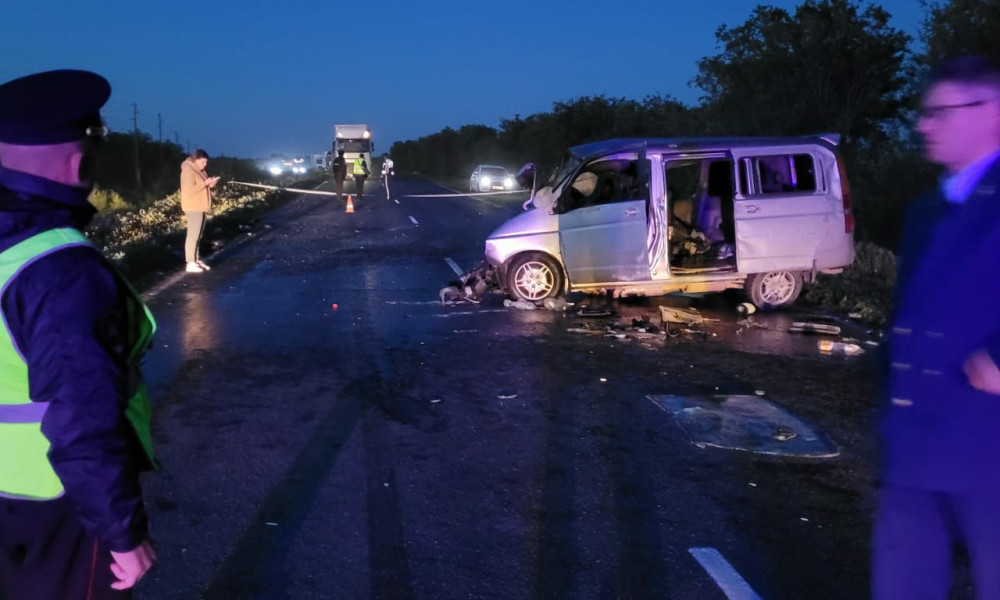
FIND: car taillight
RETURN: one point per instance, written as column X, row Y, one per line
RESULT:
column 845, row 191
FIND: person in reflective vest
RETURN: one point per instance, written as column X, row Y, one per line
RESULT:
column 360, row 174
column 74, row 415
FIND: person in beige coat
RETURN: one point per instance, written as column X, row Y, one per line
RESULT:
column 196, row 202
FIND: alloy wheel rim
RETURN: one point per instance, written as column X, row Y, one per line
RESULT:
column 777, row 288
column 534, row 280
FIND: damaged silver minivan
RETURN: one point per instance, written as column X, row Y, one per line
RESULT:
column 655, row 216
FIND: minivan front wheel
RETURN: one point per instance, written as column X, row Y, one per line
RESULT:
column 534, row 277
column 773, row 289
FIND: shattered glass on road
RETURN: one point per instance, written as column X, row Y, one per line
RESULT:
column 747, row 423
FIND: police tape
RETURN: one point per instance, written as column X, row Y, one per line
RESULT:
column 319, row 193
column 283, row 189
column 458, row 194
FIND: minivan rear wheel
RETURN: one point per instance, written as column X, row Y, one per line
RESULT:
column 774, row 289
column 534, row 277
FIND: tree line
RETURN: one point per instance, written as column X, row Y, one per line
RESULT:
column 142, row 170
column 834, row 66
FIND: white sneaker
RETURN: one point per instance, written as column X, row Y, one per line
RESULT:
column 193, row 267
column 203, row 266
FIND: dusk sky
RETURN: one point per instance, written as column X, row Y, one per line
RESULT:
column 250, row 79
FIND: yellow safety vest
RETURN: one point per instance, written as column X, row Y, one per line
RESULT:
column 25, row 470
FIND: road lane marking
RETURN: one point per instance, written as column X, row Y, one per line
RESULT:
column 395, row 200
column 414, row 221
column 454, row 266
column 725, row 576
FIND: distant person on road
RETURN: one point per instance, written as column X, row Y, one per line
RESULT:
column 941, row 425
column 196, row 202
column 339, row 170
column 74, row 416
column 361, row 173
column 387, row 173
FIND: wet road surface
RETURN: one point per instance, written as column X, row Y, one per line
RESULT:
column 392, row 447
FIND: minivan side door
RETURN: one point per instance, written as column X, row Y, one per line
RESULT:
column 602, row 222
column 781, row 208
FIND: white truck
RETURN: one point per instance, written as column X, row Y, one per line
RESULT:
column 355, row 141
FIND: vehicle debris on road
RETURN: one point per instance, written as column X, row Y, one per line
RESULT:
column 519, row 304
column 814, row 327
column 832, row 347
column 681, row 316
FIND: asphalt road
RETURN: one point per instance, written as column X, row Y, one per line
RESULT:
column 392, row 447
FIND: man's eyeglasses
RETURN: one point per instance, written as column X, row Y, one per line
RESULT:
column 936, row 112
column 97, row 133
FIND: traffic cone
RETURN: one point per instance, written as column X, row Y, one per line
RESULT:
column 350, row 204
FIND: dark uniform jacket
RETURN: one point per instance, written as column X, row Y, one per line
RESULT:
column 339, row 167
column 66, row 314
column 940, row 433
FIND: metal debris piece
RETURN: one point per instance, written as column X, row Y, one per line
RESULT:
column 450, row 295
column 684, row 316
column 813, row 327
column 557, row 304
column 746, row 308
column 593, row 313
column 520, row 304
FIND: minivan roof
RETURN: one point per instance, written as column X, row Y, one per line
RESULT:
column 584, row 151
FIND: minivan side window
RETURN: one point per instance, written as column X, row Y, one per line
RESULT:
column 778, row 174
column 601, row 182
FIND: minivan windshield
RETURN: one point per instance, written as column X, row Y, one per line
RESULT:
column 567, row 165
column 494, row 171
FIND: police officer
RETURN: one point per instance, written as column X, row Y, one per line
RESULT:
column 360, row 171
column 74, row 417
column 941, row 427
column 339, row 170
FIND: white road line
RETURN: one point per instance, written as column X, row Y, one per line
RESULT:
column 396, row 201
column 414, row 221
column 731, row 583
column 454, row 266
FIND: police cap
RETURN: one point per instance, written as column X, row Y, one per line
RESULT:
column 52, row 107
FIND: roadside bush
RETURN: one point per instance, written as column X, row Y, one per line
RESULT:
column 105, row 200
column 143, row 242
column 864, row 288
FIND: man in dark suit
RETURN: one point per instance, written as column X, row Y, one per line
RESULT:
column 339, row 170
column 941, row 424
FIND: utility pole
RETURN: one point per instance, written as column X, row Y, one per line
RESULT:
column 159, row 125
column 135, row 135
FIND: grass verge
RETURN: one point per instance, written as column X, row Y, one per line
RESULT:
column 148, row 242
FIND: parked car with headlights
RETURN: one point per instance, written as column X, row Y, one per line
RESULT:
column 656, row 216
column 491, row 178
